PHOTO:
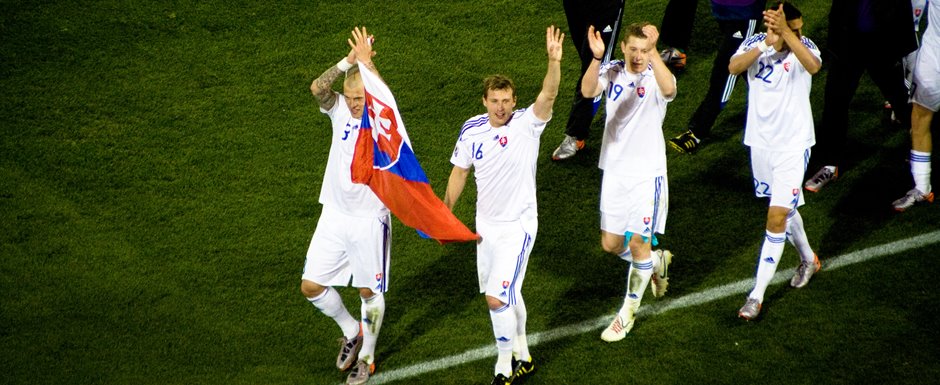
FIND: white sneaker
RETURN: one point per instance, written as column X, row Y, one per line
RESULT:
column 568, row 147
column 804, row 272
column 911, row 198
column 821, row 178
column 750, row 310
column 623, row 322
column 660, row 279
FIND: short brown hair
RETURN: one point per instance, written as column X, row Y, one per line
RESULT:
column 636, row 30
column 498, row 82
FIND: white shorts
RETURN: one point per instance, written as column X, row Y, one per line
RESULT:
column 926, row 82
column 779, row 175
column 635, row 204
column 345, row 246
column 503, row 255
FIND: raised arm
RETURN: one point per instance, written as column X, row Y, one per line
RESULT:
column 590, row 87
column 455, row 185
column 776, row 21
column 361, row 44
column 322, row 87
column 664, row 78
column 546, row 99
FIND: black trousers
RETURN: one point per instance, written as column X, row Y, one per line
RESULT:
column 580, row 16
column 845, row 72
column 678, row 18
column 733, row 33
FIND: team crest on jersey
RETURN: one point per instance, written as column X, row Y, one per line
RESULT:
column 503, row 141
column 786, row 66
column 641, row 91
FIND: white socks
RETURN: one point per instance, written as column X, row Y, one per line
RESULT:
column 373, row 311
column 796, row 234
column 920, row 169
column 331, row 305
column 770, row 254
column 520, row 346
column 504, row 330
column 638, row 277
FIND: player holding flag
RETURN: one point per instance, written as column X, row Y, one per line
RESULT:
column 353, row 234
column 502, row 146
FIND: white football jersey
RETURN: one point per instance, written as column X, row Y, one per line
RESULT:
column 504, row 160
column 338, row 190
column 779, row 116
column 633, row 143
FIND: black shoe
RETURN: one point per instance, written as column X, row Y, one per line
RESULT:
column 522, row 369
column 500, row 379
column 686, row 143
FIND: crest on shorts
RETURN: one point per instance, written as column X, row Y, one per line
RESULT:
column 641, row 91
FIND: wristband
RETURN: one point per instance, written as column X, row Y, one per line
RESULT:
column 762, row 46
column 343, row 65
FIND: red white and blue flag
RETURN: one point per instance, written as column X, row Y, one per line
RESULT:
column 385, row 161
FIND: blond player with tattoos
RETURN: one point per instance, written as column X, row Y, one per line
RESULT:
column 353, row 234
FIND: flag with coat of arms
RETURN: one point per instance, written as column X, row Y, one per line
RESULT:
column 385, row 161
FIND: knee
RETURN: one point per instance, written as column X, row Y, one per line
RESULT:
column 611, row 244
column 311, row 289
column 365, row 292
column 494, row 303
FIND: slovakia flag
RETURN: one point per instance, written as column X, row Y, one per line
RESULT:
column 385, row 161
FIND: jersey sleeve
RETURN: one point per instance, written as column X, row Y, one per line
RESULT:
column 462, row 157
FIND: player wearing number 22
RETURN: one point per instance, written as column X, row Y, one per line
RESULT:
column 779, row 130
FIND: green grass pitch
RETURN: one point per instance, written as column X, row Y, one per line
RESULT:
column 161, row 161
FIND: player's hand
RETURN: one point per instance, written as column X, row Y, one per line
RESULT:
column 652, row 36
column 553, row 39
column 596, row 42
column 361, row 44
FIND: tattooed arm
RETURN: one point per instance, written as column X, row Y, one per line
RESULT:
column 321, row 88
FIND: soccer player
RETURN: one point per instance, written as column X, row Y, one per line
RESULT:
column 855, row 26
column 779, row 130
column 502, row 146
column 926, row 100
column 634, row 192
column 581, row 14
column 737, row 20
column 353, row 234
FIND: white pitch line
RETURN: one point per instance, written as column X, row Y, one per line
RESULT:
column 694, row 299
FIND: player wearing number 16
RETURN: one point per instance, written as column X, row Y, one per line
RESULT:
column 779, row 130
column 502, row 146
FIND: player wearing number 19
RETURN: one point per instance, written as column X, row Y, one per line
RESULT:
column 634, row 192
column 779, row 130
column 502, row 146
